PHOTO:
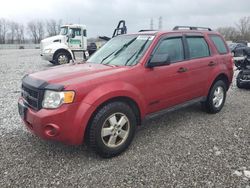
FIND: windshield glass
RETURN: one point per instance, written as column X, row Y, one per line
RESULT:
column 124, row 50
column 64, row 31
column 232, row 46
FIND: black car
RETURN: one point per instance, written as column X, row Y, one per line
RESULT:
column 91, row 48
column 236, row 46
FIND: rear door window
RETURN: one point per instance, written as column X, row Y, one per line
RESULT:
column 219, row 44
column 198, row 47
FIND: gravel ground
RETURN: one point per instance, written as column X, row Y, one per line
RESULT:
column 186, row 148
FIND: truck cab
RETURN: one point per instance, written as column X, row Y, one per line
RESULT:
column 60, row 49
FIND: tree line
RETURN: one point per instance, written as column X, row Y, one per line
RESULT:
column 12, row 32
column 240, row 32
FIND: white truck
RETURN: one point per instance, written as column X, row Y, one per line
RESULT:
column 60, row 49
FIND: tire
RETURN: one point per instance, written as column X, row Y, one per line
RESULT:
column 104, row 135
column 239, row 84
column 216, row 97
column 62, row 58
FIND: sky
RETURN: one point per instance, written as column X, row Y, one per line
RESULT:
column 102, row 16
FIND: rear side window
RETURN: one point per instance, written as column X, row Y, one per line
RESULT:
column 198, row 47
column 173, row 47
column 219, row 43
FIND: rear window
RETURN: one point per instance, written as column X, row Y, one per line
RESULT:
column 198, row 47
column 219, row 44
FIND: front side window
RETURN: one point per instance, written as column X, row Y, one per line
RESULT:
column 198, row 47
column 219, row 43
column 173, row 47
column 75, row 31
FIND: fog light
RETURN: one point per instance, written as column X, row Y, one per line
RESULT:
column 51, row 130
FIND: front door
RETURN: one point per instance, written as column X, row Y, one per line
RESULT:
column 168, row 85
column 75, row 40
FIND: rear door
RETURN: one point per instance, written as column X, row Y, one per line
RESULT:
column 200, row 64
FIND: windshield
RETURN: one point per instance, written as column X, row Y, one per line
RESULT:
column 124, row 50
column 232, row 46
column 64, row 31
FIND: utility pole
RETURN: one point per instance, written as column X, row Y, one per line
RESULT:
column 160, row 23
column 151, row 24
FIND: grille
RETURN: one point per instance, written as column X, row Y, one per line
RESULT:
column 31, row 96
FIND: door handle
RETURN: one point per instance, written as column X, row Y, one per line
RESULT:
column 182, row 69
column 211, row 64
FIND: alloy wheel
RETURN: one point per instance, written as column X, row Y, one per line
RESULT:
column 115, row 130
column 218, row 96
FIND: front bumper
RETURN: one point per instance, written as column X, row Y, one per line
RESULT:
column 47, row 56
column 66, row 124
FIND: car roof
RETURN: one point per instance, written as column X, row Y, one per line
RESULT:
column 181, row 31
column 74, row 25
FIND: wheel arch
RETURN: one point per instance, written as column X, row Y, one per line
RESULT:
column 128, row 100
column 62, row 50
column 223, row 77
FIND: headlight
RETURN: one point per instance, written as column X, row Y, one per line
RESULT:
column 54, row 99
column 47, row 51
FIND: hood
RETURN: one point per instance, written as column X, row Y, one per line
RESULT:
column 51, row 40
column 71, row 74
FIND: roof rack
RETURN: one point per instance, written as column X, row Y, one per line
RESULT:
column 146, row 30
column 192, row 28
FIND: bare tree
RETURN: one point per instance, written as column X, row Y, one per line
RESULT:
column 33, row 31
column 244, row 28
column 20, row 34
column 3, row 30
column 229, row 33
column 13, row 27
column 40, row 30
column 36, row 29
column 53, row 27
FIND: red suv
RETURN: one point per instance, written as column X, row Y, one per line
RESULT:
column 131, row 78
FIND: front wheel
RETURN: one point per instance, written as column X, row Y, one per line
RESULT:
column 216, row 97
column 112, row 129
column 62, row 58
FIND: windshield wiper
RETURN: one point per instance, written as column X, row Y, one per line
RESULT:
column 107, row 56
column 125, row 46
column 137, row 53
column 116, row 52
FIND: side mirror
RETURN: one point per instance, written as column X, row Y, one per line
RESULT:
column 71, row 35
column 158, row 60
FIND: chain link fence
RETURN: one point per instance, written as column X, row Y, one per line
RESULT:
column 19, row 46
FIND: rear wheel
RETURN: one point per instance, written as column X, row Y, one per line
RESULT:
column 112, row 129
column 62, row 58
column 216, row 98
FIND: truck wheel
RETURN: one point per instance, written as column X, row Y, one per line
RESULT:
column 238, row 81
column 216, row 97
column 112, row 129
column 62, row 58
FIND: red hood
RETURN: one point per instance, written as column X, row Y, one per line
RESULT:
column 76, row 73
